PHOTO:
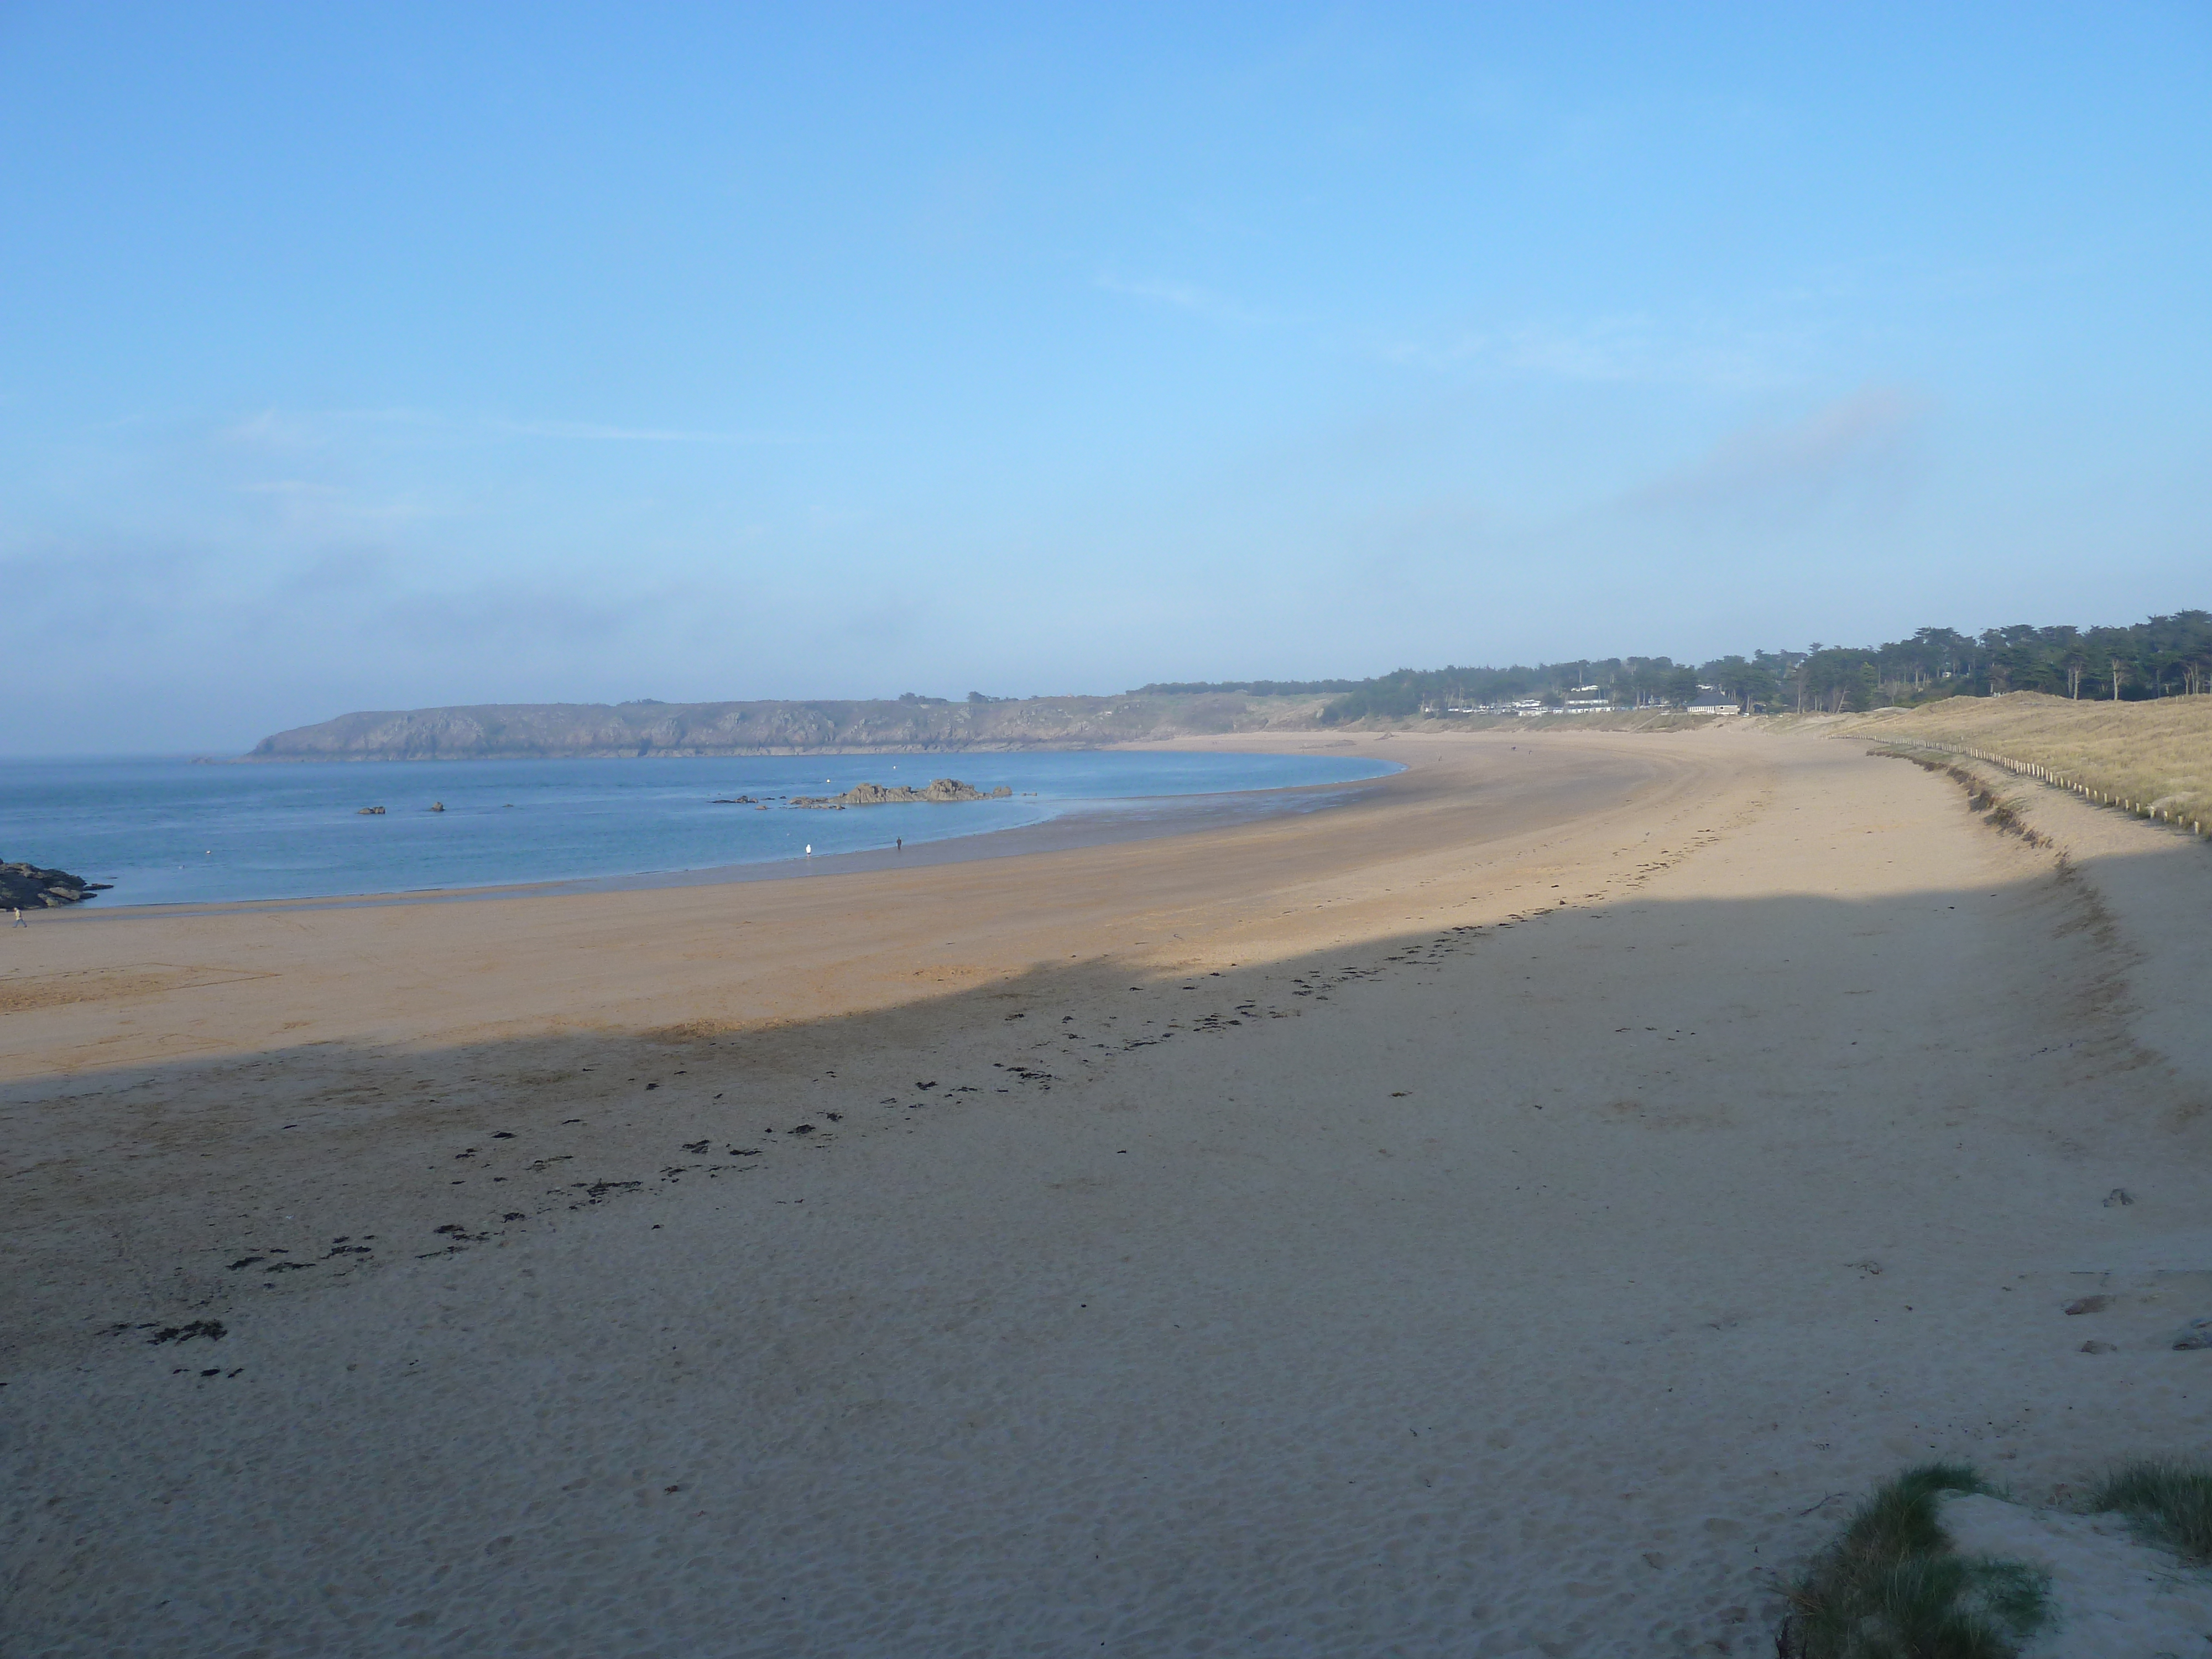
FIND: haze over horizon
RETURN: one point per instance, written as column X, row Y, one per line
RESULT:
column 392, row 358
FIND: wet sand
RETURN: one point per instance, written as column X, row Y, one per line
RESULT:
column 1500, row 1216
column 1082, row 823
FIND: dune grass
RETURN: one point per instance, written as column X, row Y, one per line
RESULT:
column 2169, row 1500
column 1891, row 1586
column 2158, row 754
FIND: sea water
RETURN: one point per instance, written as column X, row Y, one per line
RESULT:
column 172, row 831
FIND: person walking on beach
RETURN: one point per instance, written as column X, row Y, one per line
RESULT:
column 899, row 843
column 17, row 912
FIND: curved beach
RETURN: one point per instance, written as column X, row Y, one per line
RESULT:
column 1499, row 1214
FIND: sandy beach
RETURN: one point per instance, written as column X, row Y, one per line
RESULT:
column 1512, row 1213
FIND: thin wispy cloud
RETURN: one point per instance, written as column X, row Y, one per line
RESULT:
column 1609, row 351
column 279, row 428
column 274, row 428
column 1859, row 447
column 1185, row 296
column 598, row 432
column 1437, row 354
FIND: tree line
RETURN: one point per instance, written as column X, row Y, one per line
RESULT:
column 2165, row 656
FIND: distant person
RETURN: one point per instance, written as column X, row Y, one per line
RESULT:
column 17, row 912
column 899, row 843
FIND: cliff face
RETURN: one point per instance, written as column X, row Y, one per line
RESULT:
column 549, row 730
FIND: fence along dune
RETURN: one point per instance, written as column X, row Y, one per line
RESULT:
column 2154, row 757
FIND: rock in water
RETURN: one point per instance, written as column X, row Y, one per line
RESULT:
column 27, row 887
column 874, row 794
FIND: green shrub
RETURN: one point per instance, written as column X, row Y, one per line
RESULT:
column 1891, row 1587
column 2169, row 1501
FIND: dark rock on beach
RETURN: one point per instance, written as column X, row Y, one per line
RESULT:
column 27, row 887
column 874, row 794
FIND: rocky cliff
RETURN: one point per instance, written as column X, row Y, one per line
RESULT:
column 547, row 731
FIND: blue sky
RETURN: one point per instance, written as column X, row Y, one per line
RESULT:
column 388, row 357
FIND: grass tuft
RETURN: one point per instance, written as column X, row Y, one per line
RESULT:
column 1891, row 1587
column 2169, row 1501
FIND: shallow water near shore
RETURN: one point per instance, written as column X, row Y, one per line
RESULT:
column 174, row 832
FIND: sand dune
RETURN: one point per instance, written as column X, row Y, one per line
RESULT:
column 1503, row 1216
column 2158, row 754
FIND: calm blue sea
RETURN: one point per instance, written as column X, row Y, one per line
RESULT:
column 169, row 832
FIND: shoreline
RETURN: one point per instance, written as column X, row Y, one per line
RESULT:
column 1099, row 823
column 798, row 945
column 1685, row 1130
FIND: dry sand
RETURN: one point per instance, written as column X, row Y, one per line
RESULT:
column 2113, row 1594
column 1506, row 1216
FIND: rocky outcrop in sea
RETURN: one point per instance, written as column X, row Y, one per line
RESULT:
column 27, row 887
column 874, row 794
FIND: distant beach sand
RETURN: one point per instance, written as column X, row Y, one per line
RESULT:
column 1507, row 1214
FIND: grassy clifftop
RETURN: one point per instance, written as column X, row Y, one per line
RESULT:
column 549, row 730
